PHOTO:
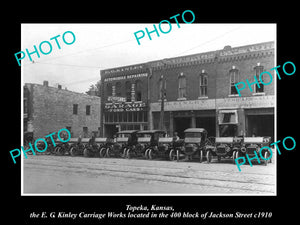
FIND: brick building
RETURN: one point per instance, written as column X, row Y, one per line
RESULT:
column 198, row 91
column 48, row 109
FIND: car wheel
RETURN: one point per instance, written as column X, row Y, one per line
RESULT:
column 128, row 153
column 102, row 152
column 151, row 154
column 72, row 151
column 172, row 155
column 266, row 156
column 108, row 153
column 208, row 156
column 201, row 156
column 85, row 152
column 146, row 154
column 233, row 156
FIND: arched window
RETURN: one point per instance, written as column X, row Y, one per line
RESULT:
column 203, row 82
column 181, row 86
column 138, row 90
column 258, row 70
column 234, row 78
column 128, row 91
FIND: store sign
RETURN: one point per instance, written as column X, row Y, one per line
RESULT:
column 125, row 107
column 116, row 99
column 220, row 103
column 125, row 77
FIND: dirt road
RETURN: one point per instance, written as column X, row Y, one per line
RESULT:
column 47, row 174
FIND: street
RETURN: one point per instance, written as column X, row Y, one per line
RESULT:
column 49, row 174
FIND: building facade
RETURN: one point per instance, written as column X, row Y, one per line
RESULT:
column 125, row 104
column 48, row 109
column 198, row 91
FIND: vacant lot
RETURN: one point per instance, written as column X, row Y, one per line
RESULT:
column 47, row 174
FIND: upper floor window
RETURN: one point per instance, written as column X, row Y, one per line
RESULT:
column 234, row 78
column 138, row 90
column 258, row 70
column 181, row 86
column 109, row 89
column 75, row 109
column 128, row 91
column 203, row 81
column 88, row 110
column 118, row 89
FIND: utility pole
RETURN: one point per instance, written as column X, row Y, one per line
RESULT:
column 162, row 105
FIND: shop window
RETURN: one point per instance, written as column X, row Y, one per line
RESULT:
column 258, row 70
column 203, row 84
column 181, row 87
column 234, row 78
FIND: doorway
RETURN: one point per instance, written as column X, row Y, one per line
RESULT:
column 180, row 124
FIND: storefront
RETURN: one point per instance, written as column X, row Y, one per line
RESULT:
column 124, row 99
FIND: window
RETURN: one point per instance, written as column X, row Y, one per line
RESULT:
column 181, row 86
column 138, row 90
column 109, row 89
column 258, row 70
column 118, row 89
column 75, row 109
column 203, row 84
column 88, row 110
column 128, row 91
column 234, row 78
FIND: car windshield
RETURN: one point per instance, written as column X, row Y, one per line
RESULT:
column 193, row 135
column 123, row 135
column 144, row 135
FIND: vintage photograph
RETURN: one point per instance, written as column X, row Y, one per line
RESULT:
column 191, row 111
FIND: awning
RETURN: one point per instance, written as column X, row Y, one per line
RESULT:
column 228, row 117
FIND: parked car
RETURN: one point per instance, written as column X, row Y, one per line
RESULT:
column 76, row 146
column 254, row 144
column 146, row 140
column 125, row 140
column 225, row 147
column 196, row 144
column 94, row 147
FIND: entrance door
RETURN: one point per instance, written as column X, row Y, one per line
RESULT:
column 180, row 124
column 208, row 123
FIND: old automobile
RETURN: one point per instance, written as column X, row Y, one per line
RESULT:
column 96, row 147
column 146, row 141
column 252, row 145
column 225, row 147
column 76, row 146
column 124, row 141
column 196, row 144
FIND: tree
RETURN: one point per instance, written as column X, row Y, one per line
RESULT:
column 95, row 89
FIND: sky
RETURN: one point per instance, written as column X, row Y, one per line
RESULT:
column 102, row 46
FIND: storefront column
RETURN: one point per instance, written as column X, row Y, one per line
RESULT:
column 193, row 119
column 171, row 124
